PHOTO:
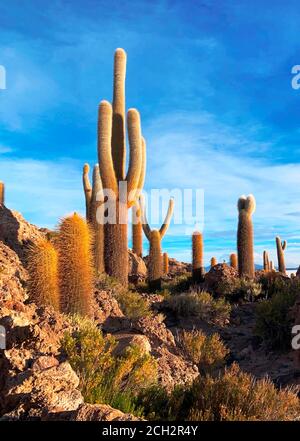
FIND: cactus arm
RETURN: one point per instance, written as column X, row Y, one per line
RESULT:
column 118, row 125
column 143, row 169
column 146, row 227
column 106, row 165
column 87, row 189
column 250, row 204
column 163, row 229
column 97, row 190
column 284, row 244
column 136, row 157
column 241, row 202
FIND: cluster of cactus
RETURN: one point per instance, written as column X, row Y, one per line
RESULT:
column 61, row 273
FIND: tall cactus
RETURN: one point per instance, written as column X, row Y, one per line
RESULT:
column 246, row 207
column 75, row 265
column 155, row 267
column 43, row 274
column 266, row 261
column 281, row 247
column 233, row 261
column 112, row 160
column 2, row 193
column 198, row 270
column 87, row 190
column 165, row 263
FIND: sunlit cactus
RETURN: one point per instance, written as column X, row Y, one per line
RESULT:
column 42, row 266
column 246, row 207
column 233, row 261
column 87, row 188
column 97, row 221
column 112, row 161
column 155, row 267
column 165, row 258
column 75, row 265
column 2, row 193
column 137, row 231
column 281, row 247
column 271, row 266
column 266, row 261
column 198, row 270
column 213, row 262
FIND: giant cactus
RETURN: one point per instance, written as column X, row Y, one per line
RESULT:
column 233, row 261
column 75, row 266
column 43, row 274
column 198, row 269
column 266, row 261
column 2, row 193
column 246, row 207
column 123, row 188
column 155, row 267
column 281, row 246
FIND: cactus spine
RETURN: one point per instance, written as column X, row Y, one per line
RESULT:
column 87, row 190
column 2, row 193
column 246, row 207
column 233, row 261
column 43, row 274
column 281, row 246
column 155, row 267
column 75, row 266
column 165, row 263
column 213, row 262
column 112, row 159
column 198, row 270
column 266, row 261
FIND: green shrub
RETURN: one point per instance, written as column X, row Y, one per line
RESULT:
column 274, row 320
column 240, row 289
column 208, row 352
column 105, row 378
column 201, row 305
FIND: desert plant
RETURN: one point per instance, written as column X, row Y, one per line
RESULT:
column 123, row 189
column 246, row 207
column 281, row 247
column 155, row 268
column 137, row 225
column 201, row 305
column 165, row 258
column 105, row 377
column 97, row 221
column 42, row 263
column 233, row 261
column 2, row 193
column 132, row 304
column 208, row 352
column 266, row 261
column 75, row 265
column 213, row 262
column 87, row 188
column 235, row 289
column 271, row 264
column 197, row 261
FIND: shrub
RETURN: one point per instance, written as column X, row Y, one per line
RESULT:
column 105, row 378
column 201, row 305
column 274, row 320
column 208, row 352
column 240, row 289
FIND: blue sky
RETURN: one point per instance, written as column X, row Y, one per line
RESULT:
column 212, row 81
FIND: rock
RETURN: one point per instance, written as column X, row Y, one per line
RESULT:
column 12, row 278
column 92, row 412
column 125, row 340
column 137, row 268
column 156, row 331
column 106, row 307
column 16, row 232
column 218, row 275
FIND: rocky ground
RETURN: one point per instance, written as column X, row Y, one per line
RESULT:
column 36, row 382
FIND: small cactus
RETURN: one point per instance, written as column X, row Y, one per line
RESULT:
column 75, row 265
column 87, row 190
column 213, row 262
column 281, row 247
column 2, row 193
column 165, row 258
column 155, row 267
column 246, row 207
column 266, row 261
column 233, row 261
column 43, row 274
column 198, row 270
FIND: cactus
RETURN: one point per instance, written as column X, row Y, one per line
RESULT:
column 234, row 261
column 165, row 259
column 281, row 246
column 271, row 266
column 87, row 190
column 75, row 265
column 43, row 274
column 266, row 261
column 2, row 193
column 97, row 221
column 213, row 262
column 155, row 267
column 198, row 270
column 137, row 227
column 111, row 154
column 246, row 207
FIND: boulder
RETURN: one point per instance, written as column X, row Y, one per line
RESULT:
column 217, row 276
column 137, row 271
